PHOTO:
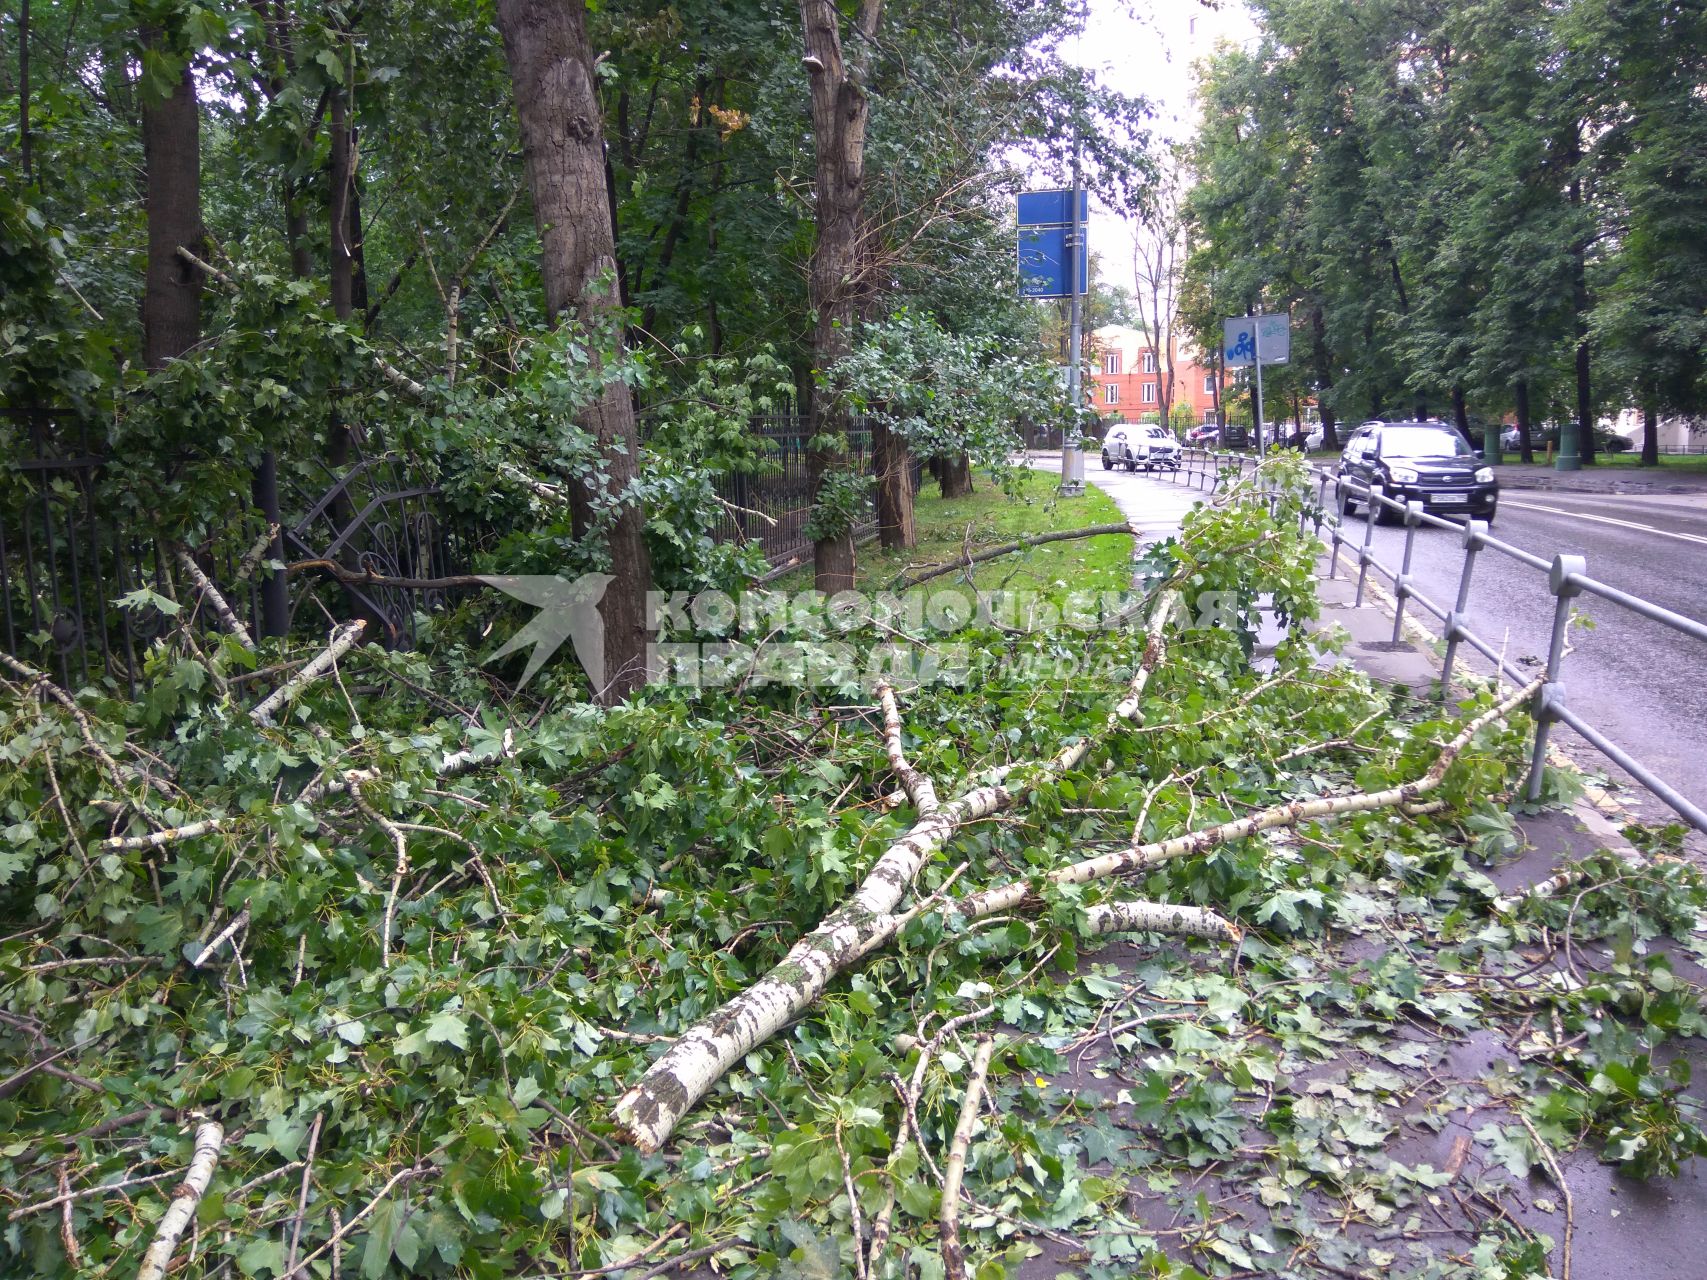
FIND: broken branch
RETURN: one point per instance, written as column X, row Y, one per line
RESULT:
column 343, row 640
column 953, row 1256
column 210, row 1137
column 1008, row 548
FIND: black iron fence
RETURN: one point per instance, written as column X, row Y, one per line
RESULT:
column 85, row 587
column 769, row 499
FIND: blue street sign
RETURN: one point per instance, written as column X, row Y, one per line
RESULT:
column 1043, row 263
column 1051, row 208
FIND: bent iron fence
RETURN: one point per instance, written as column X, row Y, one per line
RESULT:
column 1567, row 579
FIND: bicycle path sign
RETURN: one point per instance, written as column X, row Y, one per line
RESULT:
column 1241, row 339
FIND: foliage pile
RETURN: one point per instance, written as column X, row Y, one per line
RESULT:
column 409, row 966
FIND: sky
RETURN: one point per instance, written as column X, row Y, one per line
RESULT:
column 1147, row 47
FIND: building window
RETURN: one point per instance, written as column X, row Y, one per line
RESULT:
column 1149, row 395
column 1149, row 365
column 1111, row 394
column 1111, row 364
column 1209, row 385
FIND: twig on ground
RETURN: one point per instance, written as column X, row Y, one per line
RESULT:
column 954, row 1169
column 1558, row 1176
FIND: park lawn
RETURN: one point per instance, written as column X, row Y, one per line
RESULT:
column 1696, row 462
column 990, row 517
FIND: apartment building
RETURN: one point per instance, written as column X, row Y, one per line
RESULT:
column 1127, row 382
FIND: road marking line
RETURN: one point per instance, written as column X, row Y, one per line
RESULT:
column 1623, row 524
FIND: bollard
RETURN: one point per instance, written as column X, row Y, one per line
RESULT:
column 1402, row 584
column 1561, row 581
column 1474, row 532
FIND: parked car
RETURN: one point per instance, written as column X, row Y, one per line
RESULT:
column 1427, row 462
column 1205, row 436
column 1135, row 445
column 1605, row 440
column 1511, row 439
column 1314, row 437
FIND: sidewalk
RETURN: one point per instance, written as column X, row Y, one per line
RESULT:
column 1622, row 1227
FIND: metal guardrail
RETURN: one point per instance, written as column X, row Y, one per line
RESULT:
column 1567, row 579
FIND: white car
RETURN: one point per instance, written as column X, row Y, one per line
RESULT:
column 1135, row 445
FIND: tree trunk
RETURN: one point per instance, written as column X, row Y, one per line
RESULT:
column 171, row 150
column 894, row 462
column 1580, row 303
column 955, row 477
column 1324, row 376
column 1525, row 445
column 1650, row 434
column 1460, row 413
column 836, row 279
column 551, row 71
column 24, row 89
column 341, row 267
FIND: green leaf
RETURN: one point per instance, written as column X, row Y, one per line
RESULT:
column 447, row 1027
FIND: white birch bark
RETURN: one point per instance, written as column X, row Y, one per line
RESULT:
column 1008, row 897
column 215, row 597
column 343, row 640
column 1161, row 917
column 649, row 1112
column 210, row 1137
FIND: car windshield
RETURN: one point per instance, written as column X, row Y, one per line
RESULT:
column 1422, row 442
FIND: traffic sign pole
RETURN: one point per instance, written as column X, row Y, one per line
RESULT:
column 1256, row 342
column 1072, row 456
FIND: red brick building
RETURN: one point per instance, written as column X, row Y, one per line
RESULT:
column 1126, row 384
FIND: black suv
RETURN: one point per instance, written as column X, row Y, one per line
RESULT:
column 1426, row 462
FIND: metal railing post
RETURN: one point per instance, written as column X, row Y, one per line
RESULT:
column 1335, row 526
column 1402, row 583
column 1562, row 582
column 1372, row 504
column 1474, row 532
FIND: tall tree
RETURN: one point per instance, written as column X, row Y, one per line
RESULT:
column 837, row 281
column 171, row 148
column 1158, row 260
column 552, row 72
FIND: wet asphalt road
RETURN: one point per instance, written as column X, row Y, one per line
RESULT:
column 1642, row 684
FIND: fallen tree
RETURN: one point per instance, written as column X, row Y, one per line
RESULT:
column 652, row 1108
column 649, row 1112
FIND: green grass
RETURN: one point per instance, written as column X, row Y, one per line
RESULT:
column 1695, row 462
column 991, row 517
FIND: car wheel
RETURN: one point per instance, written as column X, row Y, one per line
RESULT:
column 1386, row 515
column 1105, row 465
column 1489, row 518
column 1348, row 508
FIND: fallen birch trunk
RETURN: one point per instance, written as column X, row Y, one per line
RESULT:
column 215, row 597
column 649, row 1112
column 210, row 1137
column 1161, row 917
